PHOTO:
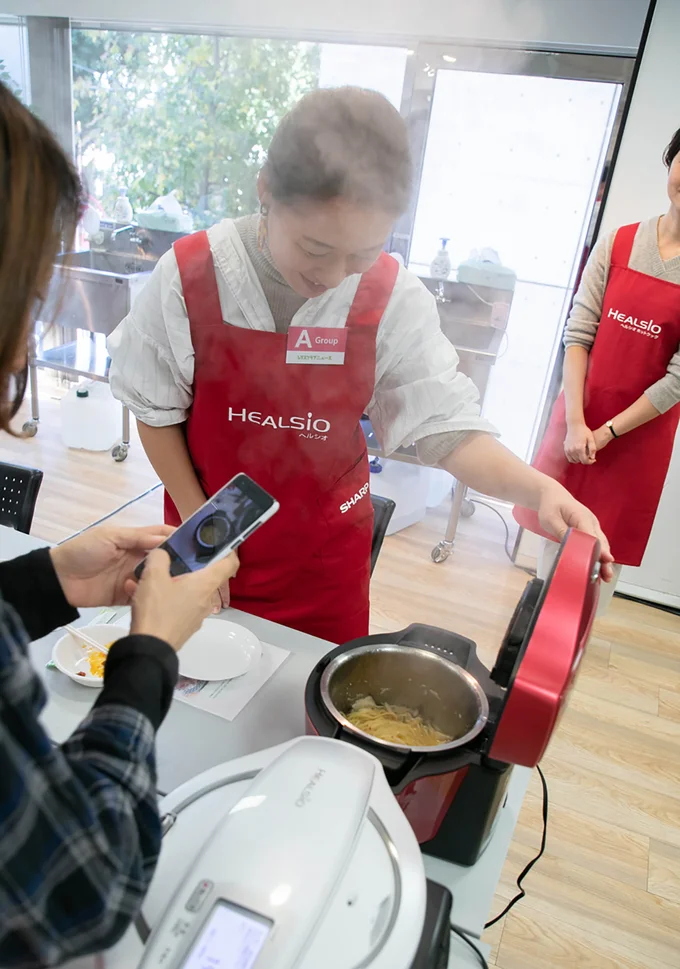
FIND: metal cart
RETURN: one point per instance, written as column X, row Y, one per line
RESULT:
column 474, row 319
column 90, row 293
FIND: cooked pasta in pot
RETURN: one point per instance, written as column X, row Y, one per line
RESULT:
column 397, row 725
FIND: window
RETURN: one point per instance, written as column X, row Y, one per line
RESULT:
column 512, row 163
column 14, row 57
column 192, row 115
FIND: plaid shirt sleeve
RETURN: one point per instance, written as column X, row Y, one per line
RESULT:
column 79, row 824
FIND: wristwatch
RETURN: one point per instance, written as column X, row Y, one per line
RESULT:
column 610, row 425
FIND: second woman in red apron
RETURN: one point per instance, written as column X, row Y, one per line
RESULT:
column 611, row 433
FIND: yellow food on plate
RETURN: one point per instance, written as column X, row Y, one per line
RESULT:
column 397, row 725
column 96, row 661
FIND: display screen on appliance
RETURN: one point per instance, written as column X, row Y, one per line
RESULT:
column 231, row 939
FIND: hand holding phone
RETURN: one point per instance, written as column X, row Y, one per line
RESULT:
column 219, row 526
column 173, row 609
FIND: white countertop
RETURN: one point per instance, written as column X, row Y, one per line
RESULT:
column 191, row 741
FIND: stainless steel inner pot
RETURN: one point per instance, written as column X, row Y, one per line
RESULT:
column 423, row 680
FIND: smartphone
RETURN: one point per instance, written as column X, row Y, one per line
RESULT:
column 220, row 526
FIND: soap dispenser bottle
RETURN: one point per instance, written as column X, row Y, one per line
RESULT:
column 440, row 267
column 122, row 210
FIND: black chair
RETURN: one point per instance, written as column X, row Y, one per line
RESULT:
column 383, row 509
column 19, row 489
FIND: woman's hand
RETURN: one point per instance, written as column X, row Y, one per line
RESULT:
column 223, row 597
column 579, row 445
column 558, row 512
column 95, row 568
column 174, row 608
column 485, row 465
column 603, row 437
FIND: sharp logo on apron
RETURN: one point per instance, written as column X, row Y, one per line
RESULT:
column 361, row 493
column 308, row 423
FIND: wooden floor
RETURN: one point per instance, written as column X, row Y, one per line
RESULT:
column 606, row 895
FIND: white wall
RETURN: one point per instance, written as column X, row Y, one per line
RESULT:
column 638, row 189
column 602, row 24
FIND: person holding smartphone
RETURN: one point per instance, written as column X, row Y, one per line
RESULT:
column 256, row 347
column 611, row 432
column 79, row 824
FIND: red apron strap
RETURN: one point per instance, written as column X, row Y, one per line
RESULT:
column 623, row 245
column 374, row 292
column 199, row 284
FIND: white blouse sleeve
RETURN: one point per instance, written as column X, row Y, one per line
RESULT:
column 419, row 390
column 152, row 357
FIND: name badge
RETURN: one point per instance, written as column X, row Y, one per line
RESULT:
column 316, row 344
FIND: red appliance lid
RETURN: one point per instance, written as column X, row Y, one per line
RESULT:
column 542, row 650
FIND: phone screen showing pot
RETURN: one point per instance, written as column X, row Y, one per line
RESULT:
column 220, row 526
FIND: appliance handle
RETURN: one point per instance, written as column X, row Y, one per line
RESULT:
column 459, row 649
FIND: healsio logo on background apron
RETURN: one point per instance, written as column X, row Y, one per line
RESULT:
column 635, row 324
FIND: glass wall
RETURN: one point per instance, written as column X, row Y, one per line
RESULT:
column 14, row 57
column 512, row 164
column 192, row 115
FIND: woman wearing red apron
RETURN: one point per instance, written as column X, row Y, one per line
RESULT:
column 258, row 345
column 611, row 433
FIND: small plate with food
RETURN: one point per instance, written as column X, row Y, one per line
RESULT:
column 82, row 663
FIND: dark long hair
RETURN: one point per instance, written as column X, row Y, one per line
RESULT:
column 40, row 204
column 672, row 150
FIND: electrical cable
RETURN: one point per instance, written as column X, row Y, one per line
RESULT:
column 525, row 871
column 480, row 298
column 501, row 352
column 111, row 514
column 478, row 952
column 485, row 504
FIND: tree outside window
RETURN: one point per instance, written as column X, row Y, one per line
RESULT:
column 190, row 114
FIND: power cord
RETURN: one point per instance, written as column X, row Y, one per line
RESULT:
column 478, row 952
column 485, row 504
column 111, row 514
column 525, row 871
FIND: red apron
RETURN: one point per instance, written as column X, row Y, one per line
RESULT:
column 638, row 334
column 296, row 430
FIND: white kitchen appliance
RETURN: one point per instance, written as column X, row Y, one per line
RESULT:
column 296, row 857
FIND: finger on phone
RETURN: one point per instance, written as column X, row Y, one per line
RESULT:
column 154, row 535
column 141, row 539
column 220, row 572
column 156, row 563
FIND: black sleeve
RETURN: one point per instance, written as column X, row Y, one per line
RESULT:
column 31, row 586
column 140, row 672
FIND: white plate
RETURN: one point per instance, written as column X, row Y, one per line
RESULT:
column 220, row 650
column 68, row 652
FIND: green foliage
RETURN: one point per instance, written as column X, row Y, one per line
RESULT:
column 183, row 112
column 8, row 80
